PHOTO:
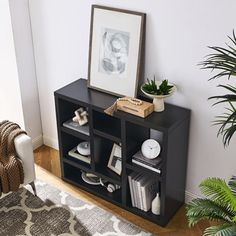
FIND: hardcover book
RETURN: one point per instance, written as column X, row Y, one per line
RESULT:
column 74, row 153
column 75, row 126
column 152, row 164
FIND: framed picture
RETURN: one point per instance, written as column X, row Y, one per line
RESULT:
column 115, row 161
column 115, row 52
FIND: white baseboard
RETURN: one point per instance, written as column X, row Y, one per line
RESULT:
column 190, row 196
column 53, row 143
column 37, row 142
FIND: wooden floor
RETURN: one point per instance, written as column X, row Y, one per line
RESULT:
column 48, row 170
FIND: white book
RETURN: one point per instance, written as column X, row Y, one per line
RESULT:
column 135, row 190
column 130, row 177
column 146, row 166
column 141, row 183
column 74, row 153
column 138, row 180
column 149, row 191
column 144, row 195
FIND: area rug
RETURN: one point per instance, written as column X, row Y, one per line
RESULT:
column 54, row 212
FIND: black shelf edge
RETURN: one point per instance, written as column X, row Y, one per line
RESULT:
column 108, row 174
column 137, row 168
column 107, row 136
column 77, row 163
column 74, row 133
column 105, row 174
column 99, row 191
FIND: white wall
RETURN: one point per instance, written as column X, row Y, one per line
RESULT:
column 176, row 39
column 10, row 97
column 26, row 69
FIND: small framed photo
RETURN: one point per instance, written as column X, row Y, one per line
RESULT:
column 115, row 160
column 115, row 50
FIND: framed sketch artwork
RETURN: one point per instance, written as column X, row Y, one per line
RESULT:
column 115, row 161
column 116, row 43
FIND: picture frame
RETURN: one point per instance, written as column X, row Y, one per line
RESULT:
column 115, row 160
column 115, row 50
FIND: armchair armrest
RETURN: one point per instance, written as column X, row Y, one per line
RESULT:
column 24, row 149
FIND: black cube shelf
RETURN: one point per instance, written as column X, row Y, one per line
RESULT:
column 130, row 131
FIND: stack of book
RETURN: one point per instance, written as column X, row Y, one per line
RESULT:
column 151, row 164
column 143, row 190
column 77, row 127
column 74, row 153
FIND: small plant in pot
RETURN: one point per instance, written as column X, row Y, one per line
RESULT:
column 158, row 90
column 220, row 202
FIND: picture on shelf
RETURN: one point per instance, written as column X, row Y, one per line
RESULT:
column 115, row 160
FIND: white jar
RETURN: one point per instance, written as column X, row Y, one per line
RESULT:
column 156, row 205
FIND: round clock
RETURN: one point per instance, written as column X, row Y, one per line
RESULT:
column 150, row 148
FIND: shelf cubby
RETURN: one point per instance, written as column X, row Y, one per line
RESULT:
column 102, row 152
column 75, row 133
column 73, row 175
column 170, row 128
column 106, row 126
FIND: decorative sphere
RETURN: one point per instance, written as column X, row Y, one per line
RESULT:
column 84, row 148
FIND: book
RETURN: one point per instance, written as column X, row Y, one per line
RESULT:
column 136, row 200
column 130, row 178
column 139, row 197
column 74, row 153
column 140, row 185
column 75, row 126
column 152, row 164
column 149, row 190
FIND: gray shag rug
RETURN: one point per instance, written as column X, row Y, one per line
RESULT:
column 54, row 212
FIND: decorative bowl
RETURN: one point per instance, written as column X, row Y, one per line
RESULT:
column 158, row 100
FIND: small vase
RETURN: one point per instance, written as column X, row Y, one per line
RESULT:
column 156, row 205
column 158, row 104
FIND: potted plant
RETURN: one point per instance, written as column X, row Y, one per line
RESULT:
column 158, row 90
column 220, row 201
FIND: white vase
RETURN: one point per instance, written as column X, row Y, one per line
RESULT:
column 156, row 205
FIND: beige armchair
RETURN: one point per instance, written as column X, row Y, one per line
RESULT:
column 24, row 149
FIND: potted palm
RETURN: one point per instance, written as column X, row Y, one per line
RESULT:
column 220, row 199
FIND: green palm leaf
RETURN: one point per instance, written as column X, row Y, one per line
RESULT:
column 200, row 209
column 232, row 185
column 225, row 229
column 218, row 191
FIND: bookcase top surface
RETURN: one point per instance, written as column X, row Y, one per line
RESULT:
column 78, row 92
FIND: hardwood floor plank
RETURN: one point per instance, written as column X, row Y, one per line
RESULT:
column 48, row 170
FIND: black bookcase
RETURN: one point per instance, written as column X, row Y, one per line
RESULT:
column 170, row 128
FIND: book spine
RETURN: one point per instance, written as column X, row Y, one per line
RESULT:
column 81, row 158
column 139, row 195
column 146, row 162
column 134, row 191
column 148, row 167
column 131, row 190
column 144, row 198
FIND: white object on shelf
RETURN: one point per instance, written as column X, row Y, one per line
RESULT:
column 75, row 154
column 76, row 126
column 158, row 100
column 156, row 205
column 151, row 148
column 84, row 148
